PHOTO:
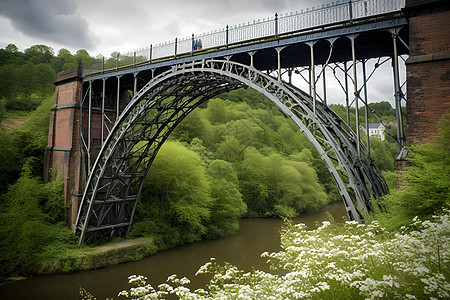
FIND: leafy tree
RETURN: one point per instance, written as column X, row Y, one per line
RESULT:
column 175, row 196
column 64, row 61
column 227, row 205
column 83, row 57
column 194, row 126
column 230, row 150
column 246, row 132
column 426, row 188
column 27, row 79
column 8, row 81
column 22, row 225
column 382, row 109
column 12, row 48
column 39, row 54
column 383, row 153
column 11, row 55
column 45, row 76
column 295, row 184
column 253, row 181
column 216, row 112
column 9, row 156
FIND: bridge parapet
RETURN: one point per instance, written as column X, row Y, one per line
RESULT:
column 328, row 15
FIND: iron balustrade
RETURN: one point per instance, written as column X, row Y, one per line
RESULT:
column 337, row 12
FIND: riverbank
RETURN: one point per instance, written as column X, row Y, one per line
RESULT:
column 108, row 255
column 93, row 257
column 69, row 260
column 242, row 249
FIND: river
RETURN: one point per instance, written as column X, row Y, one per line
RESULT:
column 242, row 249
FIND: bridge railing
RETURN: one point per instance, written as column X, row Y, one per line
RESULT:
column 283, row 25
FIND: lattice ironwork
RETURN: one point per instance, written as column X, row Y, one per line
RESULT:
column 115, row 181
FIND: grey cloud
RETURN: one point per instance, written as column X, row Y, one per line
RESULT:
column 51, row 20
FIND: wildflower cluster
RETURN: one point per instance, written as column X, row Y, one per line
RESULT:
column 335, row 261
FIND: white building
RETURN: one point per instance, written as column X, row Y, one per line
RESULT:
column 376, row 130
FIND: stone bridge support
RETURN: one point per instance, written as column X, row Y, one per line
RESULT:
column 62, row 152
column 428, row 68
column 427, row 71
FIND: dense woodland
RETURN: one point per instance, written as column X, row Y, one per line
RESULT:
column 235, row 156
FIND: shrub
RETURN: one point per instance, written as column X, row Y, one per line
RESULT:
column 335, row 261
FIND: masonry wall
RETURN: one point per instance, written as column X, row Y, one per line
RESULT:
column 428, row 73
column 61, row 157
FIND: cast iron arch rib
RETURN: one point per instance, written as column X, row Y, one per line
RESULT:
column 116, row 179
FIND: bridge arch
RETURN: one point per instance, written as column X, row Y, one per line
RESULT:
column 112, row 190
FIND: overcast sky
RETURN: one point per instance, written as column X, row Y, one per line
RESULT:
column 105, row 26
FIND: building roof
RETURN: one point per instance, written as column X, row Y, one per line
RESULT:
column 375, row 125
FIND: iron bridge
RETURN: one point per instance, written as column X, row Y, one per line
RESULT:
column 166, row 89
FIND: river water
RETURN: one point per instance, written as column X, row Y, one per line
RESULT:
column 242, row 249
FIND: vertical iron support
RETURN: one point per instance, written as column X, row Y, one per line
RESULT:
column 279, row 49
column 103, row 64
column 118, row 98
column 398, row 97
column 252, row 53
column 89, row 126
column 117, row 61
column 135, row 83
column 366, row 111
column 81, row 145
column 312, row 77
column 346, row 93
column 324, row 85
column 355, row 90
column 103, row 109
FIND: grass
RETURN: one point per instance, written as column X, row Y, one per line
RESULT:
column 65, row 258
column 16, row 114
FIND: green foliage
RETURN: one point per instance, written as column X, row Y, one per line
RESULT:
column 334, row 261
column 176, row 195
column 272, row 185
column 183, row 199
column 39, row 54
column 9, row 168
column 245, row 129
column 227, row 205
column 377, row 111
column 426, row 187
column 383, row 153
column 2, row 110
column 32, row 224
column 26, row 144
column 26, row 77
column 53, row 202
column 23, row 228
